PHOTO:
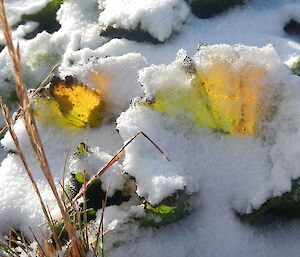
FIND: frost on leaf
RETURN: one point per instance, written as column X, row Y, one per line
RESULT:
column 224, row 94
column 286, row 205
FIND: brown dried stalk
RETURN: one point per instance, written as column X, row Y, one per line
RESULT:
column 7, row 120
column 31, row 127
column 114, row 159
column 18, row 112
column 40, row 248
column 100, row 231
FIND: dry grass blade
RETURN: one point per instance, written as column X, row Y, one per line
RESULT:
column 101, row 227
column 36, row 91
column 18, row 239
column 85, row 208
column 49, row 249
column 7, row 120
column 65, row 162
column 45, row 81
column 2, row 130
column 31, row 127
column 114, row 159
column 9, row 250
column 41, row 251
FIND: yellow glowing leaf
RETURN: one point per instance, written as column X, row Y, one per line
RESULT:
column 251, row 79
column 184, row 103
column 223, row 97
column 68, row 102
column 233, row 94
column 100, row 81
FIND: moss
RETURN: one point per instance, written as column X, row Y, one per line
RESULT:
column 209, row 8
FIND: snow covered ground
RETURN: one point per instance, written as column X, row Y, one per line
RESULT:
column 224, row 172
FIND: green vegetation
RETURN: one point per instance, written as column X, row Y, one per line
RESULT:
column 296, row 67
column 209, row 8
column 167, row 211
column 46, row 18
column 287, row 205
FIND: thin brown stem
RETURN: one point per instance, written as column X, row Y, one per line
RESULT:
column 31, row 127
column 114, row 159
column 7, row 120
column 38, row 243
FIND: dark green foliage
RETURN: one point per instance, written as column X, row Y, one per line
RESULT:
column 292, row 28
column 95, row 195
column 62, row 233
column 287, row 205
column 208, row 8
column 168, row 211
column 46, row 18
column 81, row 150
column 137, row 35
column 13, row 98
column 296, row 67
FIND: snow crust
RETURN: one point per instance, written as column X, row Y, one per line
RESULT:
column 226, row 173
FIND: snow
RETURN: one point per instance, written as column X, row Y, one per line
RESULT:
column 111, row 180
column 147, row 16
column 15, row 8
column 224, row 173
column 115, row 75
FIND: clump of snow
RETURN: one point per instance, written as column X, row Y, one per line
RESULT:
column 39, row 56
column 75, row 14
column 83, row 29
column 114, row 75
column 276, row 82
column 89, row 163
column 20, row 205
column 15, row 8
column 156, row 178
column 121, row 72
column 228, row 171
column 22, row 30
column 159, row 18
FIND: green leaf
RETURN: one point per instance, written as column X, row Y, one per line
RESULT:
column 296, row 67
column 209, row 8
column 46, row 18
column 81, row 149
column 287, row 205
column 79, row 178
column 168, row 211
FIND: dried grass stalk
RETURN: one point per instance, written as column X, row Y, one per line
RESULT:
column 31, row 127
column 114, row 159
column 7, row 120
